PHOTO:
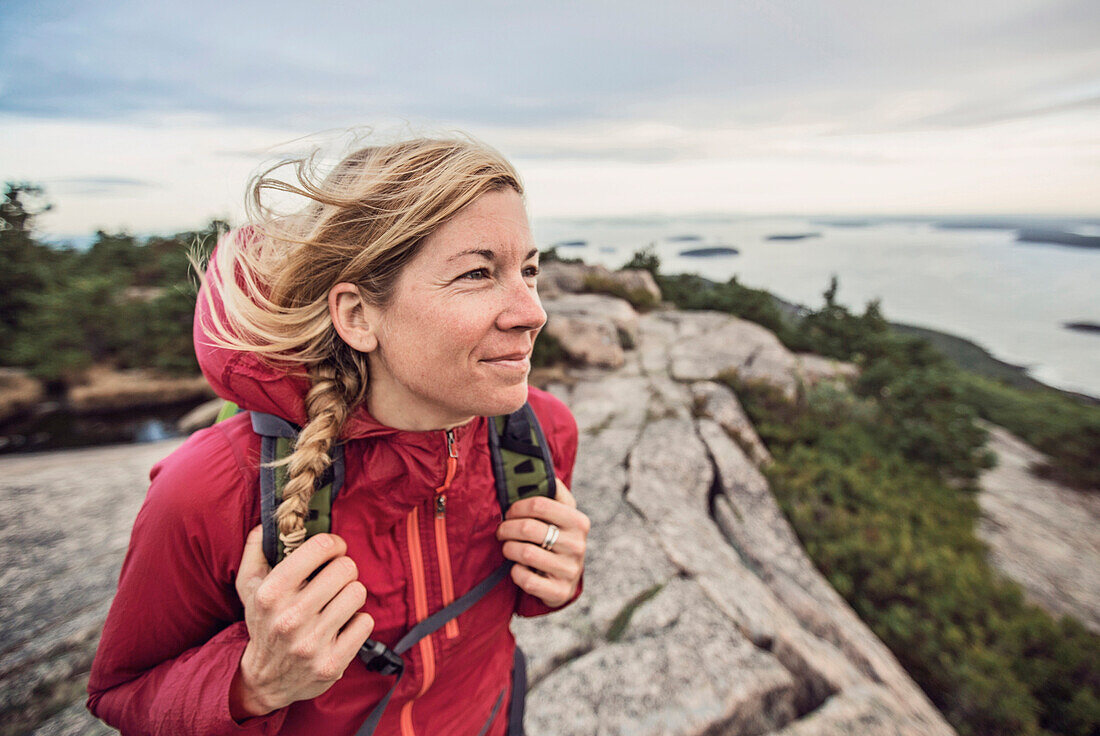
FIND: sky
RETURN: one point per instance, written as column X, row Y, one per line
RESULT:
column 150, row 117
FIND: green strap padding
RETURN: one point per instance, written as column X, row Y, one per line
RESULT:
column 228, row 409
column 523, row 464
column 320, row 505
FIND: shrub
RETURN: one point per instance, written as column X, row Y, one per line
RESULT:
column 878, row 517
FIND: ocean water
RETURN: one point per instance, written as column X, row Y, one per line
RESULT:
column 1011, row 298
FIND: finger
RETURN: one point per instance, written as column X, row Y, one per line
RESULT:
column 548, row 510
column 534, row 531
column 551, row 591
column 554, row 565
column 328, row 582
column 342, row 607
column 296, row 567
column 253, row 568
column 564, row 495
column 352, row 636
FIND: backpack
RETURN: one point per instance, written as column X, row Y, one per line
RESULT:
column 522, row 468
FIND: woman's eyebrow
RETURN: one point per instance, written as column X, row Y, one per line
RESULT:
column 483, row 252
column 487, row 254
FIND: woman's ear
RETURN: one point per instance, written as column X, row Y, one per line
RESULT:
column 355, row 320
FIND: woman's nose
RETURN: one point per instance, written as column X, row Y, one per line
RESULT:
column 522, row 308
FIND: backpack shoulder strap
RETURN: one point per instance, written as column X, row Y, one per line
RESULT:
column 522, row 465
column 277, row 438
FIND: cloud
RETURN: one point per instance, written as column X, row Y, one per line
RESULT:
column 131, row 110
column 120, row 186
column 508, row 64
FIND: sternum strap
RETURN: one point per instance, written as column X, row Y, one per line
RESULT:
column 426, row 628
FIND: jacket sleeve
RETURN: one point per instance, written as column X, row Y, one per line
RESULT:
column 561, row 430
column 174, row 636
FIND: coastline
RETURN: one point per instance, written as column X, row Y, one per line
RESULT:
column 972, row 357
column 967, row 355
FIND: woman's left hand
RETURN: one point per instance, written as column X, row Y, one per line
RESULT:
column 549, row 575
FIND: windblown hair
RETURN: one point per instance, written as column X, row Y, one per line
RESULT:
column 363, row 221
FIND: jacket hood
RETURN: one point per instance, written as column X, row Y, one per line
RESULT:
column 254, row 384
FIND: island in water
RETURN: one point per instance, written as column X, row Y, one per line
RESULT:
column 711, row 252
column 1082, row 326
column 1058, row 237
column 792, row 236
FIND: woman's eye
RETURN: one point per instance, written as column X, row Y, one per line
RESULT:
column 476, row 275
column 531, row 272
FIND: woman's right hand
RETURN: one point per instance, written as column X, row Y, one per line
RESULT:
column 302, row 633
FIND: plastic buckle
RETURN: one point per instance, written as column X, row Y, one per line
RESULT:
column 380, row 658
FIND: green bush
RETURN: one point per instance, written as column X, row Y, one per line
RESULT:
column 890, row 522
column 687, row 291
column 645, row 260
column 122, row 302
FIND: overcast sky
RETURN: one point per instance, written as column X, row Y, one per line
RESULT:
column 150, row 116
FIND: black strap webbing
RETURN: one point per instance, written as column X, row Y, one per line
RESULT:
column 492, row 714
column 429, row 626
column 519, row 693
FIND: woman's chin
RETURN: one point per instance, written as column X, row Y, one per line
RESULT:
column 505, row 401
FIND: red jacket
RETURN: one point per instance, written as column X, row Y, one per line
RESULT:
column 175, row 633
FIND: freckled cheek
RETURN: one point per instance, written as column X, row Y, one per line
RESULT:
column 446, row 348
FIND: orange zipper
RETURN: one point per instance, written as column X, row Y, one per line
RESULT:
column 445, row 578
column 420, row 599
column 420, row 589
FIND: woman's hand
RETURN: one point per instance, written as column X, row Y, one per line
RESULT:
column 302, row 633
column 550, row 575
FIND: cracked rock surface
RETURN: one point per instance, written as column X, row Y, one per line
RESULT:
column 701, row 612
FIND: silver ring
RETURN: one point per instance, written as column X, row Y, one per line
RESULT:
column 552, row 533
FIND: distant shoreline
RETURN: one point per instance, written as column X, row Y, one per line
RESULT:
column 968, row 355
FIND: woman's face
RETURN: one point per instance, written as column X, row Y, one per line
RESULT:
column 455, row 340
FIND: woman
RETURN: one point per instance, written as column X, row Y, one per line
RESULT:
column 389, row 317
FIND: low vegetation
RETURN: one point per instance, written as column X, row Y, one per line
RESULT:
column 879, row 482
column 123, row 302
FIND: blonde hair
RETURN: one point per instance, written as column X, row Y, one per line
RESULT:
column 362, row 223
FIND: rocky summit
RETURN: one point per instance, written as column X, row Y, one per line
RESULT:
column 701, row 612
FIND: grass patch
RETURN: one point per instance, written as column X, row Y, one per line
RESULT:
column 621, row 621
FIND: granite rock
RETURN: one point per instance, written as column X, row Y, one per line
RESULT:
column 1043, row 535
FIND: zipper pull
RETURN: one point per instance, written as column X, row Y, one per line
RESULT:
column 452, row 451
column 440, row 505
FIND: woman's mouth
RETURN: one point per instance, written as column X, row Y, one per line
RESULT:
column 512, row 361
